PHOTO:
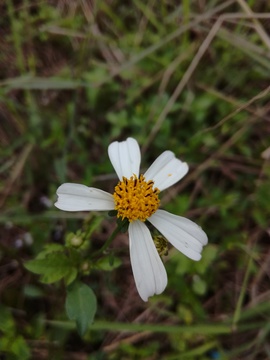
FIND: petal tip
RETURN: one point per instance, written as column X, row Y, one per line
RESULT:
column 125, row 157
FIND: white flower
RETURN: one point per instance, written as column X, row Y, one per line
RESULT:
column 136, row 198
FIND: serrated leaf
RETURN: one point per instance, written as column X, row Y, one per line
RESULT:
column 81, row 305
column 52, row 268
column 48, row 249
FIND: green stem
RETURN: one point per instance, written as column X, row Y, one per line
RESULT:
column 203, row 329
column 109, row 240
column 240, row 301
column 16, row 37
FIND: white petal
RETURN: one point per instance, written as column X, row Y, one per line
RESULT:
column 182, row 233
column 77, row 197
column 148, row 270
column 166, row 170
column 125, row 157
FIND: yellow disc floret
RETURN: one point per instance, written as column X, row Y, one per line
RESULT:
column 135, row 198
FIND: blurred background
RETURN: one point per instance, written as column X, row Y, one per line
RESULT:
column 188, row 76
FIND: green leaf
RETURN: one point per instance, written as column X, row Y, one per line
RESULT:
column 81, row 305
column 208, row 256
column 199, row 285
column 20, row 348
column 32, row 291
column 71, row 276
column 14, row 347
column 53, row 267
column 7, row 324
column 108, row 263
column 39, row 83
column 50, row 248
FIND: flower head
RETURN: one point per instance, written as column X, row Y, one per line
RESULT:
column 136, row 199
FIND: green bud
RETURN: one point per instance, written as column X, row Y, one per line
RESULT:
column 161, row 244
column 76, row 241
column 85, row 267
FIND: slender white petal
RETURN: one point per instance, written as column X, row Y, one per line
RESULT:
column 125, row 157
column 148, row 270
column 166, row 170
column 77, row 197
column 182, row 233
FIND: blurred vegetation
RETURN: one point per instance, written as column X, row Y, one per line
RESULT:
column 189, row 76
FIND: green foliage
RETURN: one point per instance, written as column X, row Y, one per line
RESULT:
column 74, row 77
column 81, row 305
column 12, row 344
column 185, row 266
column 108, row 263
column 53, row 267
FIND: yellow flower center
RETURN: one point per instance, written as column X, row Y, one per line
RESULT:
column 135, row 198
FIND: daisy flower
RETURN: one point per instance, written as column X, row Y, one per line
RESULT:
column 136, row 199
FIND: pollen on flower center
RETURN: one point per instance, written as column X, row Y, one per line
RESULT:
column 135, row 198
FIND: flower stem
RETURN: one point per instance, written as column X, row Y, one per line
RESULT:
column 109, row 240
